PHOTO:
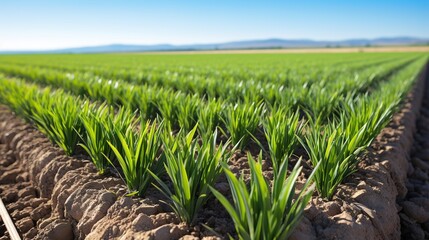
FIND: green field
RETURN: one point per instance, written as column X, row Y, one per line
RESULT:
column 183, row 116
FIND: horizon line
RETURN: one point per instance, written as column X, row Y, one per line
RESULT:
column 420, row 38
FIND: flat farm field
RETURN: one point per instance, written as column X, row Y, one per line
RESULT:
column 248, row 145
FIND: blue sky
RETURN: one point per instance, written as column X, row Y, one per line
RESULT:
column 29, row 24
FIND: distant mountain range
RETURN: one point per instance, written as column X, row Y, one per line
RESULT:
column 250, row 44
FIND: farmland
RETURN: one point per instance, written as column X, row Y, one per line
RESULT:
column 255, row 146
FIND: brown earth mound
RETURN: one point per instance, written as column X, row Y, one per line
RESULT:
column 415, row 206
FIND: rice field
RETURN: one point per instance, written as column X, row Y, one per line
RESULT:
column 173, row 123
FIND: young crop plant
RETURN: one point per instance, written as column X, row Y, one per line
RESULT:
column 337, row 146
column 146, row 101
column 128, row 95
column 57, row 115
column 168, row 107
column 320, row 102
column 272, row 93
column 281, row 130
column 336, row 151
column 242, row 120
column 103, row 125
column 22, row 105
column 187, row 111
column 141, row 155
column 191, row 167
column 370, row 114
column 264, row 212
column 209, row 117
column 108, row 91
column 96, row 135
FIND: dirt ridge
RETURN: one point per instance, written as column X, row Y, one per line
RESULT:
column 414, row 212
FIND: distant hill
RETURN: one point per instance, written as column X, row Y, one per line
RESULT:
column 250, row 44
